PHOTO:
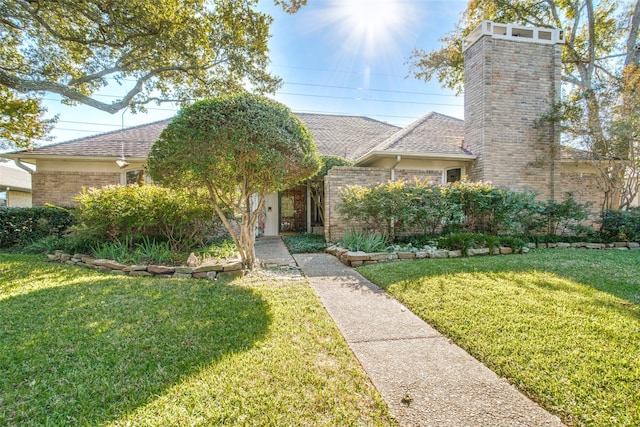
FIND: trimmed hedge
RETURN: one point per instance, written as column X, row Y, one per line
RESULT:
column 21, row 226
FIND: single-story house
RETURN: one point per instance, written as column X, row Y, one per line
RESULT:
column 512, row 76
column 15, row 187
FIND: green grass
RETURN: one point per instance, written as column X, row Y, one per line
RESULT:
column 82, row 348
column 305, row 243
column 562, row 325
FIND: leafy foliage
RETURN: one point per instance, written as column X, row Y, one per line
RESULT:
column 21, row 226
column 621, row 225
column 21, row 120
column 129, row 213
column 398, row 207
column 364, row 241
column 174, row 50
column 305, row 243
column 238, row 148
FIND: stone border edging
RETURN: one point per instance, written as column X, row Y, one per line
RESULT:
column 229, row 270
column 359, row 258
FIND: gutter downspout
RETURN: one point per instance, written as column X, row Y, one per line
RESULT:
column 393, row 168
column 22, row 166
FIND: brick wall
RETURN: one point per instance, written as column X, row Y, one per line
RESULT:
column 59, row 188
column 338, row 178
column 409, row 175
column 509, row 86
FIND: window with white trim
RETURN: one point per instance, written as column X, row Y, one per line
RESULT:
column 453, row 175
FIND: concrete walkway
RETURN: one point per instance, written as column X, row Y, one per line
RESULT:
column 425, row 379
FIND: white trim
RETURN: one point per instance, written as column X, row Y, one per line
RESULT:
column 514, row 32
column 463, row 173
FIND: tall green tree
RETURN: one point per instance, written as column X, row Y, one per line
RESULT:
column 239, row 148
column 601, row 44
column 169, row 50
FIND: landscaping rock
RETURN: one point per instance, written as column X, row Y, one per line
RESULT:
column 579, row 244
column 440, row 253
column 633, row 245
column 132, row 268
column 356, row 263
column 422, row 254
column 139, row 273
column 357, row 256
column 184, row 270
column 479, row 251
column 177, row 275
column 88, row 260
column 594, row 246
column 211, row 275
column 114, row 265
column 192, row 260
column 160, row 269
column 505, row 250
column 234, row 266
column 542, row 245
column 207, row 268
column 52, row 257
column 455, row 254
column 201, row 275
column 620, row 244
column 379, row 256
column 562, row 245
column 406, row 255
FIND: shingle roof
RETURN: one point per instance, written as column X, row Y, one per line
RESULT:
column 345, row 136
column 135, row 141
column 434, row 133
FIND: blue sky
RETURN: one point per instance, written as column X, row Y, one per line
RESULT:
column 335, row 57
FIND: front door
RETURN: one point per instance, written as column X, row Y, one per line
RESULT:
column 293, row 216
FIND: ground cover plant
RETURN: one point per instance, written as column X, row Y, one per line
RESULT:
column 562, row 325
column 305, row 243
column 79, row 347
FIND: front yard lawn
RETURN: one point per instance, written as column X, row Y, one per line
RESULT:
column 82, row 348
column 562, row 325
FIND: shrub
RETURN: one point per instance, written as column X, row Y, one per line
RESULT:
column 129, row 213
column 361, row 241
column 489, row 209
column 557, row 218
column 621, row 225
column 22, row 226
column 383, row 208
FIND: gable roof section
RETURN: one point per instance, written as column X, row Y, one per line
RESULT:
column 433, row 135
column 345, row 136
column 135, row 142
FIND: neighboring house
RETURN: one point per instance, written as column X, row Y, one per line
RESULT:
column 15, row 187
column 512, row 76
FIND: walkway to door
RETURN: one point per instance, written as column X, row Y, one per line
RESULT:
column 424, row 378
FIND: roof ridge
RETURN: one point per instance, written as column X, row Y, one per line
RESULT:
column 401, row 133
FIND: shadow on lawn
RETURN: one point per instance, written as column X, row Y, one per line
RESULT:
column 89, row 351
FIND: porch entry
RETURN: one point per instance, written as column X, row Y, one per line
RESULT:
column 292, row 208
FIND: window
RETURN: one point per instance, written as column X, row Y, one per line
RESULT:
column 134, row 177
column 454, row 175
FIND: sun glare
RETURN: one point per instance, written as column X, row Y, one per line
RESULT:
column 369, row 26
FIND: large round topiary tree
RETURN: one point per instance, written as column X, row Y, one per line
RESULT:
column 239, row 147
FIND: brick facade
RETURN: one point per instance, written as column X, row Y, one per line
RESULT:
column 338, row 178
column 509, row 86
column 59, row 188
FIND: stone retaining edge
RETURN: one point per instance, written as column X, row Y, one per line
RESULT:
column 359, row 258
column 230, row 269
